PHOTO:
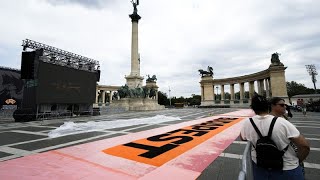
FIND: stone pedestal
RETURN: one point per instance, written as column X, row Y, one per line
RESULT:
column 137, row 104
column 134, row 81
column 207, row 91
column 278, row 82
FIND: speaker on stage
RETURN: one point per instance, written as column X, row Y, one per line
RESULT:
column 28, row 63
column 98, row 75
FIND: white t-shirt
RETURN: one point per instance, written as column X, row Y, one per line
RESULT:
column 282, row 131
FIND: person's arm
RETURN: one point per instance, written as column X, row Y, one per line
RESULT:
column 243, row 132
column 303, row 147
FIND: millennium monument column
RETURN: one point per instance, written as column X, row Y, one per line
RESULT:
column 134, row 96
column 134, row 79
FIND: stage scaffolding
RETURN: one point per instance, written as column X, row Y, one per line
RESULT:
column 61, row 57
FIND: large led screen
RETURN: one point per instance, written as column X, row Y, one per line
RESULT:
column 60, row 84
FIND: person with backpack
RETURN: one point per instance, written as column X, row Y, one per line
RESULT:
column 284, row 112
column 272, row 156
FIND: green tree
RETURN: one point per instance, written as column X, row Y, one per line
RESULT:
column 294, row 88
column 163, row 98
column 227, row 95
column 194, row 100
column 180, row 100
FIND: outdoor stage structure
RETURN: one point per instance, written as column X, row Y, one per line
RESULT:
column 57, row 82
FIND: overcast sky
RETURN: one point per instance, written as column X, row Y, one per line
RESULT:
column 176, row 37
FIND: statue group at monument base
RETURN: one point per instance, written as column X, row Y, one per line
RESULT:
column 137, row 104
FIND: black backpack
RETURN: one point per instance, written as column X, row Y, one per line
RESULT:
column 268, row 154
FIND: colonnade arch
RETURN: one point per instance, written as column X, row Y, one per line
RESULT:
column 270, row 83
column 104, row 94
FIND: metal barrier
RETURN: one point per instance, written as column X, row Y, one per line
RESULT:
column 6, row 115
column 246, row 164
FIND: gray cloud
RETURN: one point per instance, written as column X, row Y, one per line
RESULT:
column 85, row 3
column 176, row 38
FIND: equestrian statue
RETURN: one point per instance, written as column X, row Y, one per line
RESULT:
column 207, row 73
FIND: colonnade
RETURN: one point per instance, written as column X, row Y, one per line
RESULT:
column 270, row 82
column 102, row 92
column 263, row 87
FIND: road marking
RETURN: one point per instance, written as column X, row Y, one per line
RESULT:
column 29, row 132
column 311, row 165
column 229, row 155
column 237, row 156
column 19, row 152
column 26, row 142
column 72, row 142
column 192, row 114
column 313, row 139
column 9, row 157
column 314, row 149
column 15, row 151
column 240, row 142
column 307, row 127
column 306, row 134
column 201, row 117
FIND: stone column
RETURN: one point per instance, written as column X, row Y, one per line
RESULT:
column 157, row 94
column 260, row 87
column 251, row 89
column 232, row 93
column 103, row 96
column 241, row 92
column 222, row 94
column 214, row 95
column 97, row 96
column 267, row 88
column 202, row 93
column 134, row 79
column 135, row 69
column 110, row 97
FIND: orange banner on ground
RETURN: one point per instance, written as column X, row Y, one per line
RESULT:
column 159, row 149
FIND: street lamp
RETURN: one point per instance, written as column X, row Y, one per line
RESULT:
column 169, row 96
column 312, row 72
column 217, row 91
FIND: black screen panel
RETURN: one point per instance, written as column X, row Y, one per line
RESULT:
column 59, row 84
